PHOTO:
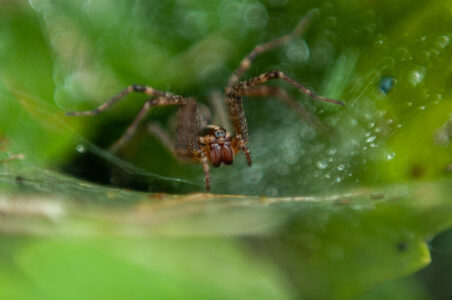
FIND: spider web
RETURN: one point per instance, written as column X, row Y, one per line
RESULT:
column 289, row 156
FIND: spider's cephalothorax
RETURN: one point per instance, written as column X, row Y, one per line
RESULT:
column 216, row 142
column 213, row 143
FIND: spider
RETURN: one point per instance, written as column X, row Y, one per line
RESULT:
column 198, row 140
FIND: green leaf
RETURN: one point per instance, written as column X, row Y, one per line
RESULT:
column 91, row 241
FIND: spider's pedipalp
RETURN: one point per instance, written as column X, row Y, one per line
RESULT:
column 243, row 146
column 205, row 168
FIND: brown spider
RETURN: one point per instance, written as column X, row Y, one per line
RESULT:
column 196, row 139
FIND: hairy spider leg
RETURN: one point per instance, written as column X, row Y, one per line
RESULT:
column 191, row 117
column 237, row 116
column 240, row 89
column 162, row 98
column 282, row 95
column 130, row 132
column 187, row 146
column 234, row 102
column 259, row 49
column 131, row 88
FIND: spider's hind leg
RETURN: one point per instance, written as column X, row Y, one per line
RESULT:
column 162, row 98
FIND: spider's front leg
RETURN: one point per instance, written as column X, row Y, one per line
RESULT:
column 234, row 102
column 237, row 116
column 235, row 89
column 282, row 95
column 161, row 98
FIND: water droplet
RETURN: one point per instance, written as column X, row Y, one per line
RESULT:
column 341, row 167
column 442, row 41
column 416, row 76
column 371, row 139
column 331, row 151
column 390, row 155
column 322, row 164
column 386, row 84
column 403, row 53
column 81, row 148
column 434, row 53
column 371, row 125
column 422, row 107
column 423, row 56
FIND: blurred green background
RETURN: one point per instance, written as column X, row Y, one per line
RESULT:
column 347, row 214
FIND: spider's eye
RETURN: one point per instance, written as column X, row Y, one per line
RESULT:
column 219, row 133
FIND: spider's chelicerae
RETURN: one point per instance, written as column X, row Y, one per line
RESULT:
column 196, row 139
